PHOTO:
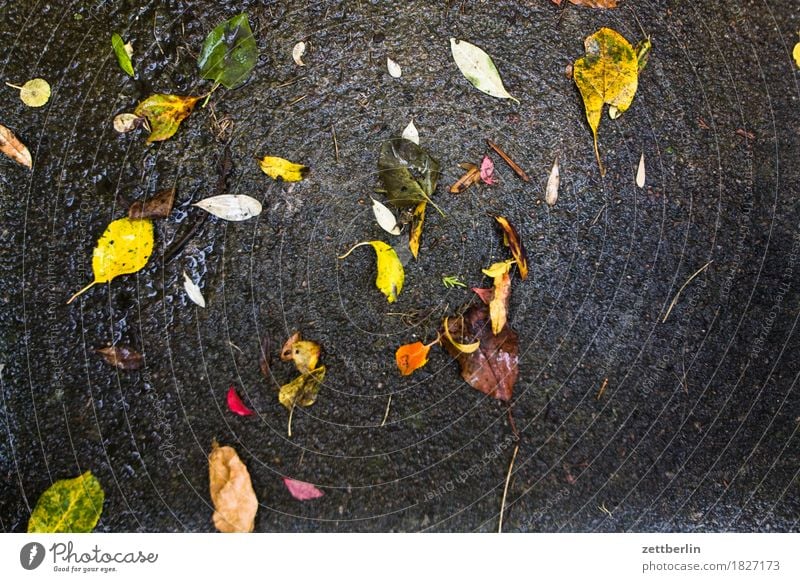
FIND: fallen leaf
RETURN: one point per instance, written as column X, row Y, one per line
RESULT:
column 407, row 172
column 607, row 74
column 280, row 169
column 68, row 506
column 229, row 53
column 385, row 218
column 590, row 3
column 479, row 69
column 193, row 291
column 303, row 390
column 13, row 148
column 159, row 206
column 164, row 113
column 297, row 54
column 235, row 207
column 498, row 305
column 235, row 503
column 553, row 182
column 796, row 54
column 264, row 359
column 411, row 357
column 125, row 122
column 459, row 346
column 417, row 221
column 472, row 176
column 640, row 173
column 410, row 132
column 304, row 353
column 34, row 93
column 123, row 57
column 301, row 490
column 507, row 159
column 513, row 241
column 492, row 369
column 643, row 48
column 487, row 171
column 390, row 270
column 124, row 248
column 394, row 69
column 123, row 357
column 236, row 405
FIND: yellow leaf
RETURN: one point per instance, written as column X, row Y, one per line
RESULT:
column 13, row 148
column 498, row 305
column 390, row 270
column 607, row 74
column 235, row 503
column 165, row 113
column 304, row 353
column 463, row 348
column 34, row 93
column 417, row 220
column 124, row 248
column 278, row 168
column 303, row 390
column 796, row 54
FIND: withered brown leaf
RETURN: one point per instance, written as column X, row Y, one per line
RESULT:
column 159, row 206
column 123, row 357
column 235, row 503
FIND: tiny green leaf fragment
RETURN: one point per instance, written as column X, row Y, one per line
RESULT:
column 452, row 281
column 123, row 58
column 69, row 506
column 229, row 53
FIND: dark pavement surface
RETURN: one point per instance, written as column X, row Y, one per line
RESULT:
column 697, row 429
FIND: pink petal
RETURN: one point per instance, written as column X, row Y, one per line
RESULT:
column 236, row 405
column 487, row 171
column 301, row 490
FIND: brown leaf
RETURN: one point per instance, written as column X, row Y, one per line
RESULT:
column 235, row 503
column 492, row 369
column 590, row 3
column 13, row 148
column 122, row 357
column 512, row 241
column 159, row 206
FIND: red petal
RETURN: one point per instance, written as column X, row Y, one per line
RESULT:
column 485, row 294
column 487, row 171
column 236, row 405
column 301, row 490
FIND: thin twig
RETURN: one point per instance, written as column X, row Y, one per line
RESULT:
column 289, row 428
column 505, row 489
column 155, row 36
column 678, row 294
column 596, row 218
column 335, row 143
column 602, row 390
column 386, row 414
column 507, row 159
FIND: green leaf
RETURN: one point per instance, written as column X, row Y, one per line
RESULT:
column 123, row 58
column 407, row 173
column 69, row 506
column 229, row 53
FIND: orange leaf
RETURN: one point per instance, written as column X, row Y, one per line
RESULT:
column 410, row 357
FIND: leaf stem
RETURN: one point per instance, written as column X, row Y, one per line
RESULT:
column 505, row 489
column 347, row 254
column 17, row 87
column 208, row 96
column 81, row 292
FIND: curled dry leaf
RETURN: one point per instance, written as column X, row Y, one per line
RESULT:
column 234, row 207
column 13, row 148
column 301, row 490
column 193, row 291
column 281, row 169
column 513, row 241
column 410, row 132
column 479, row 69
column 590, row 3
column 385, row 218
column 472, row 176
column 235, row 503
column 124, row 248
column 297, row 54
column 304, row 353
column 69, row 506
column 487, row 171
column 492, row 369
column 411, row 357
column 34, row 93
column 417, row 221
column 165, row 113
column 507, row 159
column 498, row 305
column 390, row 270
column 394, row 69
column 553, row 182
column 640, row 173
column 459, row 345
column 159, row 206
column 123, row 357
column 125, row 122
column 235, row 403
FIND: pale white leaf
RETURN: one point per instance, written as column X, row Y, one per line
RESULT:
column 125, row 122
column 640, row 173
column 385, row 217
column 394, row 69
column 297, row 53
column 553, row 182
column 193, row 291
column 410, row 133
column 231, row 206
column 128, row 49
column 479, row 69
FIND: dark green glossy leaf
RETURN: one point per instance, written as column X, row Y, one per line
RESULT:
column 123, row 58
column 229, row 53
column 68, row 506
column 407, row 172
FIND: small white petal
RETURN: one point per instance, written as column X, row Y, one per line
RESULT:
column 193, row 291
column 128, row 49
column 410, row 133
column 125, row 122
column 551, row 194
column 385, row 217
column 297, row 53
column 394, row 69
column 231, row 206
column 640, row 173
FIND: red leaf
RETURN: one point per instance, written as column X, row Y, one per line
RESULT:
column 487, row 171
column 236, row 405
column 484, row 293
column 301, row 490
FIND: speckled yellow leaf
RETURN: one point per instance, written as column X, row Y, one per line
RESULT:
column 607, row 74
column 165, row 114
column 303, row 390
column 390, row 270
column 68, row 506
column 280, row 169
column 124, row 248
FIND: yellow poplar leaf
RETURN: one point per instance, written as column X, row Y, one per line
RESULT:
column 165, row 113
column 417, row 220
column 304, row 353
column 278, row 168
column 303, row 390
column 235, row 503
column 124, row 248
column 607, row 74
column 390, row 270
